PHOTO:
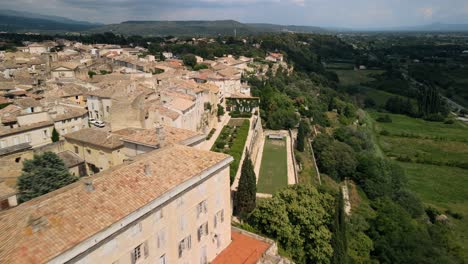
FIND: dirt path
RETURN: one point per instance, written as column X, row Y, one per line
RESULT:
column 347, row 203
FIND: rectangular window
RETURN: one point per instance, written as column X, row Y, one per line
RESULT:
column 89, row 151
column 2, row 144
column 27, row 138
column 202, row 231
column 139, row 251
column 136, row 254
column 15, row 141
column 184, row 245
column 162, row 259
column 76, row 150
column 202, row 208
column 218, row 218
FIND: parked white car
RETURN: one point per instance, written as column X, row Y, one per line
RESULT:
column 99, row 123
column 92, row 121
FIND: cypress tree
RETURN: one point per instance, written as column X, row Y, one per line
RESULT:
column 55, row 135
column 339, row 241
column 247, row 189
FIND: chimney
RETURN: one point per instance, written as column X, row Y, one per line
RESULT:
column 88, row 184
column 148, row 171
column 160, row 134
column 37, row 222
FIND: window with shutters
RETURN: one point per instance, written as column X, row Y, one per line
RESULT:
column 140, row 252
column 136, row 254
column 162, row 259
column 184, row 245
column 218, row 218
column 202, row 208
column 202, row 231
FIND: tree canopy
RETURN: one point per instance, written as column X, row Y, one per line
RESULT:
column 299, row 218
column 43, row 174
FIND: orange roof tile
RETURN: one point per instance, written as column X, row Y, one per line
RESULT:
column 242, row 250
column 68, row 216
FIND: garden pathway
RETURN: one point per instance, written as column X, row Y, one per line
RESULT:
column 208, row 144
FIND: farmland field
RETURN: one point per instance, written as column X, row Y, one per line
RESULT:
column 434, row 156
column 274, row 169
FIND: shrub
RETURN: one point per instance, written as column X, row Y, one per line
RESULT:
column 384, row 119
column 384, row 133
column 211, row 134
column 449, row 122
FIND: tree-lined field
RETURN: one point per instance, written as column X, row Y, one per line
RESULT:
column 434, row 156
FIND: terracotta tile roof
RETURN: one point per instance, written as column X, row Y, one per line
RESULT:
column 70, row 215
column 27, row 102
column 96, row 137
column 230, row 73
column 10, row 131
column 164, row 111
column 71, row 112
column 9, row 113
column 242, row 250
column 70, row 159
column 180, row 104
column 149, row 137
column 15, row 148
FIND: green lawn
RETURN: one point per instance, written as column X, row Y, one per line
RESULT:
column 418, row 127
column 352, row 77
column 444, row 188
column 425, row 149
column 274, row 169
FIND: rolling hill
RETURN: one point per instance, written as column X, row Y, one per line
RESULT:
column 16, row 21
column 190, row 28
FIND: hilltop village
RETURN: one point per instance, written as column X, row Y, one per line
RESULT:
column 137, row 129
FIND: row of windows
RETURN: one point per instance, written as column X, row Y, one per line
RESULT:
column 16, row 140
column 69, row 120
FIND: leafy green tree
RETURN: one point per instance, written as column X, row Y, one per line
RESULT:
column 298, row 217
column 55, row 135
column 200, row 66
column 91, row 74
column 43, row 174
column 247, row 189
column 337, row 160
column 220, row 110
column 189, row 60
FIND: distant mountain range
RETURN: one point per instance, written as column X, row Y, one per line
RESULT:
column 16, row 21
column 187, row 28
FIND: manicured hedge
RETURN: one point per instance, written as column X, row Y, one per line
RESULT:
column 236, row 145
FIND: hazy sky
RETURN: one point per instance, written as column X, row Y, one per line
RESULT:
column 335, row 13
